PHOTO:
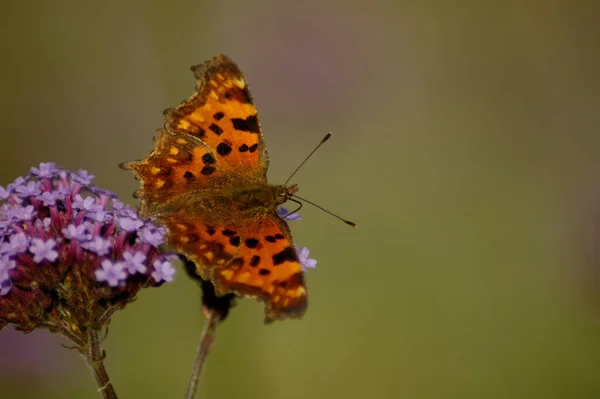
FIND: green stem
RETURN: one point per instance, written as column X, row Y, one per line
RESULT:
column 94, row 358
column 206, row 342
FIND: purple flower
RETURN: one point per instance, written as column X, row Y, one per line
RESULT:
column 45, row 170
column 154, row 237
column 163, row 271
column 284, row 213
column 19, row 181
column 98, row 245
column 134, row 262
column 17, row 243
column 88, row 204
column 62, row 239
column 117, row 205
column 18, row 213
column 101, row 216
column 129, row 224
column 49, row 198
column 77, row 233
column 305, row 261
column 30, row 189
column 43, row 250
column 82, row 177
column 127, row 212
column 111, row 272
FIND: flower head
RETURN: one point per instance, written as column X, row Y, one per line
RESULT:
column 69, row 256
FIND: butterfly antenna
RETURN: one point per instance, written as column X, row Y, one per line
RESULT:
column 327, row 136
column 326, row 211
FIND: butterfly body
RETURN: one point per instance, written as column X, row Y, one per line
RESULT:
column 206, row 182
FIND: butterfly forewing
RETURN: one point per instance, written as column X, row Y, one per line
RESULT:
column 222, row 114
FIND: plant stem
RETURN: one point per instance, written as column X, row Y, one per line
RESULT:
column 204, row 346
column 95, row 358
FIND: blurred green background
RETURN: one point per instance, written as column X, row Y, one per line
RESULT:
column 466, row 146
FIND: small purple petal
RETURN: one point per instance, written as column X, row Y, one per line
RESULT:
column 98, row 245
column 43, row 250
column 134, row 263
column 305, row 261
column 284, row 213
column 6, row 263
column 163, row 271
column 110, row 272
column 4, row 193
column 5, row 283
column 47, row 222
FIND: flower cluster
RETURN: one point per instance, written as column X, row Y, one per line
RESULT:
column 303, row 252
column 71, row 253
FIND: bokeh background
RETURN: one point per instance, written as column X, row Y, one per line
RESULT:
column 466, row 146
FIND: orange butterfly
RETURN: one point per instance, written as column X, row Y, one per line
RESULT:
column 206, row 181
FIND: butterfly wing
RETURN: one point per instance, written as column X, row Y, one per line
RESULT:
column 179, row 164
column 252, row 261
column 213, row 134
column 221, row 113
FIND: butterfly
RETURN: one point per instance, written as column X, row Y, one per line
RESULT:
column 206, row 182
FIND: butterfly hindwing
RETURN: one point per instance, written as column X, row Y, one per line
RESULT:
column 222, row 114
column 267, row 267
column 208, row 246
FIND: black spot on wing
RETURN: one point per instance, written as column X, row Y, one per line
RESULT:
column 250, row 124
column 243, row 148
column 208, row 158
column 270, row 239
column 288, row 254
column 207, row 170
column 215, row 128
column 251, row 243
column 189, row 175
column 253, row 147
column 223, row 149
column 218, row 116
column 255, row 261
